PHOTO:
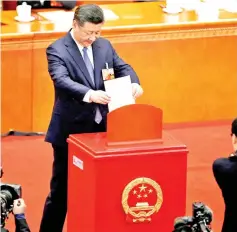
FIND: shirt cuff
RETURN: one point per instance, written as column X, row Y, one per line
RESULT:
column 87, row 96
column 135, row 83
column 20, row 216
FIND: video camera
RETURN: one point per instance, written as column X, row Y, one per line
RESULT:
column 199, row 222
column 8, row 193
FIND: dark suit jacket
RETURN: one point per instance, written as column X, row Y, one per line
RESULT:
column 21, row 226
column 71, row 82
column 225, row 172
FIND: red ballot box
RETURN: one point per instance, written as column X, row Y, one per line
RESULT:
column 130, row 179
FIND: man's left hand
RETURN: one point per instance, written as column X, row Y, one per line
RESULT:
column 19, row 206
column 137, row 90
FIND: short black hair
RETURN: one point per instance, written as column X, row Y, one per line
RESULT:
column 90, row 13
column 234, row 127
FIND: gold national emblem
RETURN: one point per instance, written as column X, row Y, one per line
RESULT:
column 141, row 198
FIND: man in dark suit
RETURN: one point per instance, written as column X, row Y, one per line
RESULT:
column 75, row 64
column 225, row 172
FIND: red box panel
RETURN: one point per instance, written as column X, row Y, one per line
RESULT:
column 98, row 176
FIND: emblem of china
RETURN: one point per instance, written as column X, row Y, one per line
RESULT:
column 141, row 198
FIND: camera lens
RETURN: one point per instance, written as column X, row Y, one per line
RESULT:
column 8, row 193
column 6, row 197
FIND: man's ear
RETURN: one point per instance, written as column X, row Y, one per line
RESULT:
column 234, row 142
column 74, row 24
column 235, row 139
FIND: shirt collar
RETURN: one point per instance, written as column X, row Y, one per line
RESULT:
column 80, row 47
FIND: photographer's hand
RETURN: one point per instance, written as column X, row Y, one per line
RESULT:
column 20, row 221
column 19, row 206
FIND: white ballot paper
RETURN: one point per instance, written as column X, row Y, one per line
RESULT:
column 120, row 91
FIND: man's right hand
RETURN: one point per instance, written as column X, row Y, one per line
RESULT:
column 100, row 97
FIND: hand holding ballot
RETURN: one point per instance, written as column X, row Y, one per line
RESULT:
column 122, row 92
column 137, row 90
column 124, row 89
column 100, row 97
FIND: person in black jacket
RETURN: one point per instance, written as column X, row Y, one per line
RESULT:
column 225, row 172
column 47, row 4
column 20, row 220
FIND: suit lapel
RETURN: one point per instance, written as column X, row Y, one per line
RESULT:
column 76, row 55
column 99, row 60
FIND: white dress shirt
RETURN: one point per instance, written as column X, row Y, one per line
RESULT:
column 90, row 55
column 80, row 47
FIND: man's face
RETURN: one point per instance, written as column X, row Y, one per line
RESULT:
column 86, row 34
